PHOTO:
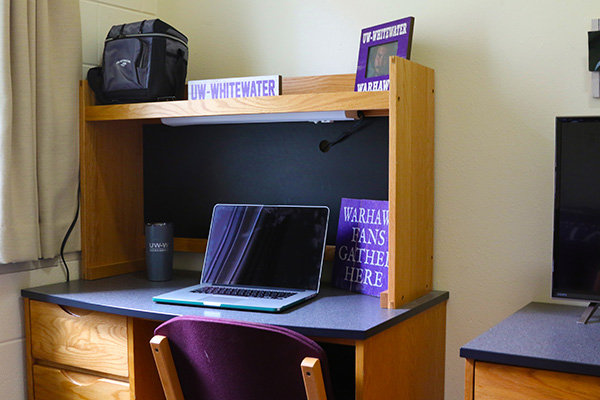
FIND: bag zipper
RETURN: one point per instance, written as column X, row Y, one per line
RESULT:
column 137, row 35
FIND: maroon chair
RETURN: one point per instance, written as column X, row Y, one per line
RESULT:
column 218, row 359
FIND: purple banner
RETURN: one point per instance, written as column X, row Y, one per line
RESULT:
column 361, row 251
column 377, row 44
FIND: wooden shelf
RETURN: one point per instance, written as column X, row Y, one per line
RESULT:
column 374, row 102
column 112, row 168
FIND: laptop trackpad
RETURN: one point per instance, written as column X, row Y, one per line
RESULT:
column 218, row 300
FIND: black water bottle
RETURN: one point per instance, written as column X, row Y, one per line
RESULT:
column 159, row 251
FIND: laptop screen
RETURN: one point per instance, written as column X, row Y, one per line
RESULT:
column 272, row 246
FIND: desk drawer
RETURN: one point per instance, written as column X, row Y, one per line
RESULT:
column 57, row 384
column 500, row 382
column 85, row 339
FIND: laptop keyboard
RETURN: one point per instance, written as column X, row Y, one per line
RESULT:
column 259, row 293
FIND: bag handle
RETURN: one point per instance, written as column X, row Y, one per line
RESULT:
column 121, row 34
column 141, row 30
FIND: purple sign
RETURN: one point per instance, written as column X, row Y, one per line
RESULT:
column 377, row 44
column 361, row 249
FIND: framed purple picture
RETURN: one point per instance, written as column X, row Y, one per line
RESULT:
column 377, row 44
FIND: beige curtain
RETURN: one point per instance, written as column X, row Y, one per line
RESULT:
column 39, row 73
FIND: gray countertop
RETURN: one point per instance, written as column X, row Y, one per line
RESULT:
column 542, row 336
column 333, row 313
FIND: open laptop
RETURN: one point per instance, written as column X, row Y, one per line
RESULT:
column 259, row 257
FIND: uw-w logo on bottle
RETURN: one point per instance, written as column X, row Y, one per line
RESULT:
column 159, row 246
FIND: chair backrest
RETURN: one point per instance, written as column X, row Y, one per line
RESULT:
column 232, row 360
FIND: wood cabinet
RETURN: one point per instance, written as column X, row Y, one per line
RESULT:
column 540, row 352
column 76, row 337
column 75, row 353
column 489, row 381
column 112, row 168
column 58, row 384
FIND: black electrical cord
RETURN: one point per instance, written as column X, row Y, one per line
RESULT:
column 64, row 242
column 325, row 145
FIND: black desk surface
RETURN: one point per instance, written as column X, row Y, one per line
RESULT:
column 333, row 313
column 542, row 336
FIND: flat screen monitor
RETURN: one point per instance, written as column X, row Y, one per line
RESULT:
column 576, row 247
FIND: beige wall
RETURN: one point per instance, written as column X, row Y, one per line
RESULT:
column 504, row 70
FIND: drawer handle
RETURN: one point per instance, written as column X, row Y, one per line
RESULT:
column 80, row 379
column 75, row 312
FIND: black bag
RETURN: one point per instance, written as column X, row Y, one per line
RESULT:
column 142, row 61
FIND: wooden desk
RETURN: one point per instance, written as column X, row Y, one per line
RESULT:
column 82, row 325
column 540, row 352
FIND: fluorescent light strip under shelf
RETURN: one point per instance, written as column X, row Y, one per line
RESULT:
column 316, row 117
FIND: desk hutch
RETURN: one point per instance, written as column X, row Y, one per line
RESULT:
column 409, row 353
